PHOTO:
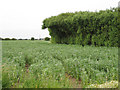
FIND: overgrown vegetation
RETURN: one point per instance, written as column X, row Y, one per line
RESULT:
column 32, row 38
column 40, row 64
column 85, row 28
column 47, row 39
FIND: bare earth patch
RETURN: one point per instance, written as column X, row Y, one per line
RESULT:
column 73, row 81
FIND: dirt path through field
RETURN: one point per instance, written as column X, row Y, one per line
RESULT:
column 26, row 67
column 73, row 81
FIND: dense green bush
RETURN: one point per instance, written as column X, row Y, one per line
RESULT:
column 32, row 38
column 84, row 28
column 13, row 39
column 47, row 39
column 7, row 39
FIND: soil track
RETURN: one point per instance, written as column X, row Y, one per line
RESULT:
column 73, row 81
column 26, row 67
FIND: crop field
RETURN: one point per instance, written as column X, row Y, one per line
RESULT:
column 41, row 64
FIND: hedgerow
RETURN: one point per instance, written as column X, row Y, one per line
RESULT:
column 85, row 28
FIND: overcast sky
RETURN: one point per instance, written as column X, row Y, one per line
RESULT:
column 23, row 18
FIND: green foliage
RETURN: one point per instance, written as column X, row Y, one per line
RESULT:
column 13, row 39
column 47, row 39
column 85, row 28
column 1, row 38
column 20, row 39
column 32, row 38
column 7, row 39
column 6, row 81
column 49, row 62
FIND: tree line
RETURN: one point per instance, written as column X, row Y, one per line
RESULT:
column 85, row 28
